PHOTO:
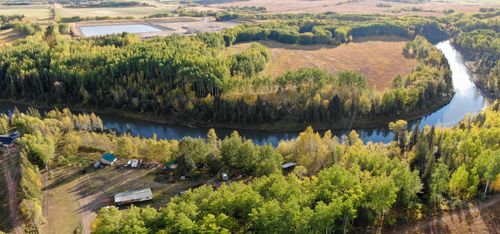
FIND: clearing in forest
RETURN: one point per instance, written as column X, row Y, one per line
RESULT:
column 379, row 59
column 72, row 199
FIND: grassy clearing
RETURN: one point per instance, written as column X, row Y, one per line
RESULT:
column 35, row 12
column 73, row 198
column 379, row 59
column 137, row 12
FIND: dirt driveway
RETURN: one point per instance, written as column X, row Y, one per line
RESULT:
column 483, row 217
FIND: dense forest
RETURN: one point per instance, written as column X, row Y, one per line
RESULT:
column 338, row 185
column 190, row 79
column 478, row 37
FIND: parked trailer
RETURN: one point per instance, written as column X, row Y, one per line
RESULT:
column 133, row 196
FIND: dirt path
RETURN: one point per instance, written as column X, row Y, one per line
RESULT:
column 481, row 218
column 12, row 189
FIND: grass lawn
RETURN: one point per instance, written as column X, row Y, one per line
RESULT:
column 137, row 12
column 379, row 59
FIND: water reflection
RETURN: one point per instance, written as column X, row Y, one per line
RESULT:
column 466, row 100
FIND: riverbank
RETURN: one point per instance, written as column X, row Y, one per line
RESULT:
column 281, row 126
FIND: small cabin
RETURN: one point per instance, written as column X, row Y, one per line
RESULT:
column 8, row 140
column 108, row 159
column 133, row 196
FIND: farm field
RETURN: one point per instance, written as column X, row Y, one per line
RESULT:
column 34, row 12
column 379, row 59
column 137, row 12
column 359, row 6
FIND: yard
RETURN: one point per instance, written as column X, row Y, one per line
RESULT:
column 72, row 198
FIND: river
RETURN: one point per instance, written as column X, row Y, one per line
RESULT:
column 467, row 99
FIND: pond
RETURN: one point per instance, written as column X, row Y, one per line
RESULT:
column 99, row 30
column 467, row 99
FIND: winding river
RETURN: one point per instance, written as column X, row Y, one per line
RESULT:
column 467, row 99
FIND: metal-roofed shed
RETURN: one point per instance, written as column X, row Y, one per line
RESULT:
column 133, row 196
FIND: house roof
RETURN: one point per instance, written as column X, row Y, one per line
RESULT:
column 133, row 195
column 109, row 157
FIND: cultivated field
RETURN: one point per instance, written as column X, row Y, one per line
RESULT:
column 136, row 12
column 34, row 12
column 360, row 6
column 379, row 59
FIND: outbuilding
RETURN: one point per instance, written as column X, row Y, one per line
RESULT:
column 133, row 196
column 108, row 159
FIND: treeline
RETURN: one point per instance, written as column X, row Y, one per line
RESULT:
column 90, row 18
column 339, row 185
column 10, row 21
column 190, row 79
column 478, row 36
column 308, row 32
column 30, row 193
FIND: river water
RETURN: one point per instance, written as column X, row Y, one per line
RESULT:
column 467, row 99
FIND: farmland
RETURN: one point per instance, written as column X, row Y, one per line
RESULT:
column 379, row 59
column 358, row 7
column 136, row 12
column 33, row 13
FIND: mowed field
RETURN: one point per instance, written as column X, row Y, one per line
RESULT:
column 136, row 12
column 362, row 6
column 379, row 59
column 34, row 12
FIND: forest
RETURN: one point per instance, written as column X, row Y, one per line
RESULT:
column 478, row 36
column 339, row 184
column 190, row 80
